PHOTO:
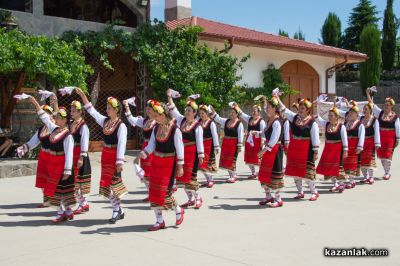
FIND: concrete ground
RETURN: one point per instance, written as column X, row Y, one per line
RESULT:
column 230, row 228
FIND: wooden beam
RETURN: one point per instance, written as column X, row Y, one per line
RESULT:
column 6, row 117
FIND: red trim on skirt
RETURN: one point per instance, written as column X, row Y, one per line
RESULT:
column 388, row 139
column 160, row 177
column 190, row 158
column 145, row 164
column 350, row 163
column 228, row 153
column 108, row 167
column 297, row 157
column 368, row 151
column 207, row 152
column 267, row 163
column 41, row 171
column 55, row 171
column 329, row 165
column 250, row 153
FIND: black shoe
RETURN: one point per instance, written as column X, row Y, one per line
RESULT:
column 120, row 216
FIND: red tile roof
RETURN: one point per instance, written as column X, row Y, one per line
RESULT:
column 219, row 30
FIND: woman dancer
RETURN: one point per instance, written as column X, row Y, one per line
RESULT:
column 147, row 124
column 113, row 153
column 192, row 134
column 211, row 145
column 389, row 125
column 232, row 141
column 303, row 148
column 335, row 149
column 167, row 146
column 271, row 168
column 82, row 169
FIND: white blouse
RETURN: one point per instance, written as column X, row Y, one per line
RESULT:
column 85, row 136
column 240, row 129
column 199, row 130
column 276, row 133
column 246, row 118
column 377, row 112
column 68, row 142
column 122, row 132
column 343, row 132
column 214, row 134
column 314, row 128
column 178, row 143
column 33, row 142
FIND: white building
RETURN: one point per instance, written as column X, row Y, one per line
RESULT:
column 307, row 67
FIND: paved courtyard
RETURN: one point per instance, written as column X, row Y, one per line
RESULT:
column 230, row 229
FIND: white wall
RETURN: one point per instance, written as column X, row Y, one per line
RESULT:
column 262, row 57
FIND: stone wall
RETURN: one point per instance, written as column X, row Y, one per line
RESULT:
column 38, row 24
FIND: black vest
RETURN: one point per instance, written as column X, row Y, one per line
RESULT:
column 167, row 145
column 231, row 132
column 304, row 131
column 334, row 136
column 44, row 140
column 387, row 124
column 111, row 139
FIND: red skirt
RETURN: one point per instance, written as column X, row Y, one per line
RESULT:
column 350, row 163
column 297, row 157
column 190, row 154
column 368, row 152
column 329, row 165
column 108, row 167
column 55, row 171
column 388, row 139
column 41, row 171
column 228, row 153
column 145, row 164
column 207, row 152
column 267, row 163
column 251, row 153
column 161, row 176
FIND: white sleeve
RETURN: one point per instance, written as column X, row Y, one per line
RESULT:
column 289, row 114
column 361, row 137
column 121, row 147
column 262, row 125
column 135, row 121
column 151, row 146
column 322, row 122
column 397, row 128
column 240, row 131
column 85, row 136
column 214, row 134
column 286, row 132
column 199, row 141
column 315, row 136
column 220, row 120
column 178, row 142
column 34, row 141
column 245, row 117
column 377, row 110
column 46, row 120
column 276, row 133
column 377, row 134
column 95, row 114
column 343, row 135
column 69, row 154
column 177, row 115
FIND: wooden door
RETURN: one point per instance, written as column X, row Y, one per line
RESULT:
column 301, row 77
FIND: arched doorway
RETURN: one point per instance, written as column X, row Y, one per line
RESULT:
column 301, row 77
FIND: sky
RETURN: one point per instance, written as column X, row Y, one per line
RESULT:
column 272, row 15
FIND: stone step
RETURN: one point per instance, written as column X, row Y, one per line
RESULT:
column 17, row 168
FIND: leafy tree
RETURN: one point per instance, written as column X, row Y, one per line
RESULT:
column 283, row 33
column 370, row 44
column 389, row 37
column 362, row 15
column 299, row 35
column 331, row 30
